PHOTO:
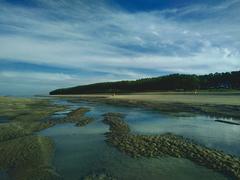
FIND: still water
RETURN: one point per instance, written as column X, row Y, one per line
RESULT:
column 81, row 151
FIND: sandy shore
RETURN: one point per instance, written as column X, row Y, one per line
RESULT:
column 173, row 97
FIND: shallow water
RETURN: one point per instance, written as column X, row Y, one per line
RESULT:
column 81, row 150
column 4, row 176
column 3, row 120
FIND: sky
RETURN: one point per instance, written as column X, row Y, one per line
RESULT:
column 49, row 44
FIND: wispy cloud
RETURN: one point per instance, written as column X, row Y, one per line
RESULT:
column 100, row 37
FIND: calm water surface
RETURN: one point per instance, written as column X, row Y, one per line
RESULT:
column 81, row 150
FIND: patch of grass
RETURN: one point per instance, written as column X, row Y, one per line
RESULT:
column 168, row 145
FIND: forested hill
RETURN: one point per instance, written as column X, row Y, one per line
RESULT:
column 173, row 82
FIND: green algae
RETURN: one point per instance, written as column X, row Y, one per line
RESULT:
column 168, row 145
column 25, row 116
column 40, row 173
column 27, row 109
column 11, row 131
column 28, row 157
column 19, row 129
column 23, row 155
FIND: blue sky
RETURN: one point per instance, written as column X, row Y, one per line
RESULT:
column 48, row 44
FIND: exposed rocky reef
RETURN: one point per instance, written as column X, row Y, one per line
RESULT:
column 168, row 144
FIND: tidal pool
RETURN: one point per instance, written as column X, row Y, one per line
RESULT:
column 81, row 151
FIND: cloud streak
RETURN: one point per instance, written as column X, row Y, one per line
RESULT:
column 101, row 37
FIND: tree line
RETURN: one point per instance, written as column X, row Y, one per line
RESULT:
column 173, row 82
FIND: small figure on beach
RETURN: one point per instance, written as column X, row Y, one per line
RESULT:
column 195, row 92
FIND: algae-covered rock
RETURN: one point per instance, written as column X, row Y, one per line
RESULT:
column 117, row 125
column 84, row 121
column 78, row 117
column 78, row 113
